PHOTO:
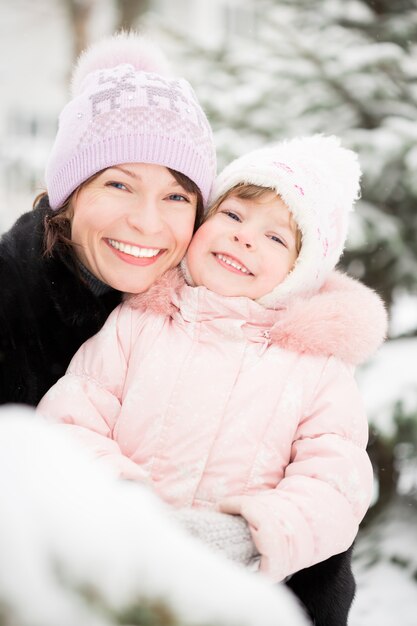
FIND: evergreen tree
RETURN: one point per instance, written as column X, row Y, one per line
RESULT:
column 328, row 66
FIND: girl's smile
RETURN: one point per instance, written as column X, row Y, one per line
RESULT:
column 246, row 248
column 232, row 264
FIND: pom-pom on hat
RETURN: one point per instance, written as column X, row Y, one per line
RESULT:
column 319, row 182
column 126, row 108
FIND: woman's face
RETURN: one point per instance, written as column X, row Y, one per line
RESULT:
column 132, row 223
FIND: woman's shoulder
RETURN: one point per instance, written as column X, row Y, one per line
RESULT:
column 25, row 237
column 20, row 249
column 345, row 319
column 34, row 281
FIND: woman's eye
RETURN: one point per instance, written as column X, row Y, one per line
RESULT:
column 232, row 215
column 116, row 185
column 177, row 197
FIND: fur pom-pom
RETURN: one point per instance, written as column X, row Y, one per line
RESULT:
column 158, row 298
column 339, row 164
column 124, row 47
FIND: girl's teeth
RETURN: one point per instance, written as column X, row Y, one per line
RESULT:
column 228, row 261
column 133, row 250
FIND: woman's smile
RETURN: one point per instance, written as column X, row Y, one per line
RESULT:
column 132, row 223
column 134, row 254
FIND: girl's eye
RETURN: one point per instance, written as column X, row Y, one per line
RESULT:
column 177, row 197
column 232, row 215
column 277, row 239
column 116, row 185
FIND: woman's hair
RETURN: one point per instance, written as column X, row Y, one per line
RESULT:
column 58, row 223
column 247, row 191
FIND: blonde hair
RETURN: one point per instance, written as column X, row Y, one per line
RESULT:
column 247, row 191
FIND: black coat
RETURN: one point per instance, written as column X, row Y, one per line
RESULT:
column 46, row 311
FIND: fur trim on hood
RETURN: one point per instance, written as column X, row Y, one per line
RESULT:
column 344, row 319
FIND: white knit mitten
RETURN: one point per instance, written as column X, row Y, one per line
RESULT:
column 222, row 532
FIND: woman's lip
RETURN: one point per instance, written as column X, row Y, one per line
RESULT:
column 230, row 267
column 130, row 243
column 132, row 260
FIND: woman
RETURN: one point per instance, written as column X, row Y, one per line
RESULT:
column 63, row 267
column 127, row 179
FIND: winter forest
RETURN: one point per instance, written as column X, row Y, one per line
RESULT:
column 264, row 70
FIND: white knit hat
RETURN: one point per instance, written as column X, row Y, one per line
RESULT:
column 319, row 182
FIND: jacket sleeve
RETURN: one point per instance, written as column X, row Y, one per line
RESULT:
column 87, row 400
column 315, row 511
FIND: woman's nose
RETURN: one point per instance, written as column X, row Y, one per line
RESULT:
column 146, row 218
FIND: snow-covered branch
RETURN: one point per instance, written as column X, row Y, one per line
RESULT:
column 78, row 547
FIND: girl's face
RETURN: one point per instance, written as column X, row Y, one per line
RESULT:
column 132, row 223
column 245, row 249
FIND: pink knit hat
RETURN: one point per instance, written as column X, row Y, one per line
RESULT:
column 127, row 109
column 318, row 180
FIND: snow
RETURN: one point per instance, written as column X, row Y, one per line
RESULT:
column 385, row 566
column 390, row 376
column 66, row 526
column 298, row 46
column 403, row 314
column 368, row 55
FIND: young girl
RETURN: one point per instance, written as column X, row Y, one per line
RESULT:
column 234, row 391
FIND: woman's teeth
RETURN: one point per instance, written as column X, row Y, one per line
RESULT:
column 133, row 250
column 229, row 261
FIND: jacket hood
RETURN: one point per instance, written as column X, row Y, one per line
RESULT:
column 344, row 319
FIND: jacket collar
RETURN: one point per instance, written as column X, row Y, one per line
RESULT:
column 344, row 319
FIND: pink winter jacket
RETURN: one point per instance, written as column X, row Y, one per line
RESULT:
column 208, row 397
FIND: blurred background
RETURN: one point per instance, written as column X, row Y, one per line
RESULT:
column 265, row 70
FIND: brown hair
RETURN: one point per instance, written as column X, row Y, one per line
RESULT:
column 190, row 186
column 58, row 223
column 247, row 191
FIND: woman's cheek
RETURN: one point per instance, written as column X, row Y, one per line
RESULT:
column 185, row 235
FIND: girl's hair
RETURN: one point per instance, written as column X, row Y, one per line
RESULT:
column 247, row 191
column 58, row 223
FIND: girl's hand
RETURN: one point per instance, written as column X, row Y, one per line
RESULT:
column 231, row 505
column 227, row 534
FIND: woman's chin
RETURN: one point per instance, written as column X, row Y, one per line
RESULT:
column 130, row 285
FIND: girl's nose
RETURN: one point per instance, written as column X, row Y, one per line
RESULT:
column 243, row 239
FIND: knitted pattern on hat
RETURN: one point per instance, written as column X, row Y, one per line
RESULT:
column 319, row 182
column 224, row 533
column 125, row 108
